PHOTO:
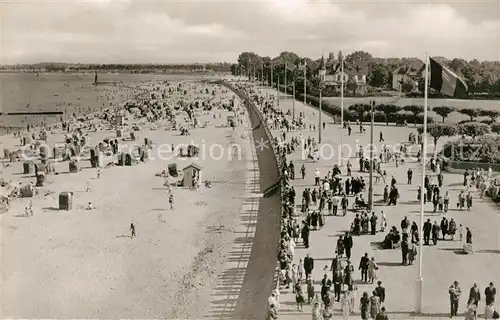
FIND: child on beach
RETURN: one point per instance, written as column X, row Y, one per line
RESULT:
column 132, row 230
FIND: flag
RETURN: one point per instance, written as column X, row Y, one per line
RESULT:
column 446, row 81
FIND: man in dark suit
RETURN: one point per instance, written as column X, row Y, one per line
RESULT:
column 348, row 245
column 490, row 293
column 363, row 266
column 308, row 265
column 380, row 292
column 427, row 231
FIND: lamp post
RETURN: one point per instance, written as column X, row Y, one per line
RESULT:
column 322, row 73
column 293, row 100
column 370, row 190
column 278, row 89
column 305, row 81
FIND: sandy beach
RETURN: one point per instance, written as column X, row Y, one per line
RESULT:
column 83, row 263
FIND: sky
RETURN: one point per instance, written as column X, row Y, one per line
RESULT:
column 186, row 31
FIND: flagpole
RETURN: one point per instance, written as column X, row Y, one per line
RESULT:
column 278, row 87
column 341, row 160
column 420, row 280
column 286, row 91
column 293, row 107
column 305, row 81
column 272, row 71
column 262, row 74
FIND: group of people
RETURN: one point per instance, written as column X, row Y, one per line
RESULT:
column 328, row 195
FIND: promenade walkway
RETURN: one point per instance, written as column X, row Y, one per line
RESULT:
column 442, row 263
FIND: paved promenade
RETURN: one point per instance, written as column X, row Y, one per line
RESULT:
column 442, row 263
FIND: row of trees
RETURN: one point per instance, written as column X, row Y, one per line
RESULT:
column 482, row 78
column 397, row 114
column 470, row 129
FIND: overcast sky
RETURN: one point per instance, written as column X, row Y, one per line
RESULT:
column 165, row 31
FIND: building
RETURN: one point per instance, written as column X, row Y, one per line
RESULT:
column 409, row 73
column 357, row 75
column 191, row 175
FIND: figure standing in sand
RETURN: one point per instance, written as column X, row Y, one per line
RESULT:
column 171, row 200
column 132, row 230
column 88, row 187
column 98, row 173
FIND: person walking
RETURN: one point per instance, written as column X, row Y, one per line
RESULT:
column 316, row 311
column 308, row 265
column 374, row 305
column 344, row 305
column 348, row 243
column 364, row 306
column 383, row 221
column 409, row 174
column 363, row 266
column 454, row 292
column 171, row 200
column 299, row 296
column 490, row 293
column 344, row 203
column 405, row 247
column 132, row 230
column 373, row 223
column 372, row 270
column 380, row 292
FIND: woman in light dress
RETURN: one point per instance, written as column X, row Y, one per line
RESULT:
column 383, row 221
column 374, row 305
column 372, row 270
column 345, row 305
column 316, row 311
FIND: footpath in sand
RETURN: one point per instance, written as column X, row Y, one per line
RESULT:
column 442, row 263
column 84, row 264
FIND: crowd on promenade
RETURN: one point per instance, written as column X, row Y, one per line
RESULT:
column 335, row 193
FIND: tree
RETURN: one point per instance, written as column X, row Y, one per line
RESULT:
column 495, row 127
column 388, row 109
column 378, row 76
column 472, row 113
column 360, row 109
column 438, row 130
column 358, row 58
column 234, row 67
column 408, row 86
column 474, row 129
column 352, row 85
column 493, row 114
column 443, row 111
column 415, row 109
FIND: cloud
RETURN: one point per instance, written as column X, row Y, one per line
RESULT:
column 173, row 32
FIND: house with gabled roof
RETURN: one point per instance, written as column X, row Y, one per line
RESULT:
column 354, row 77
column 409, row 73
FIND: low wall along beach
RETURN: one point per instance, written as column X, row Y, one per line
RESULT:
column 260, row 274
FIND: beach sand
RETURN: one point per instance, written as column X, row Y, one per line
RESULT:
column 83, row 264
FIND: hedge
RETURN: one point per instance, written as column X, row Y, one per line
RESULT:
column 351, row 115
column 483, row 149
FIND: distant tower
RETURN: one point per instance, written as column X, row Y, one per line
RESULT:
column 95, row 79
column 331, row 56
